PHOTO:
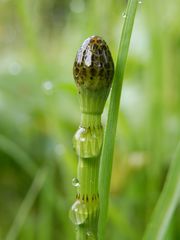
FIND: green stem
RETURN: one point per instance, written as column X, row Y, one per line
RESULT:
column 80, row 234
column 85, row 211
column 93, row 72
column 27, row 204
column 88, row 173
column 88, row 169
column 110, row 133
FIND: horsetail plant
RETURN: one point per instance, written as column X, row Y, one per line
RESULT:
column 110, row 131
column 93, row 73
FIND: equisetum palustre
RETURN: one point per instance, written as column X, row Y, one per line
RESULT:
column 93, row 73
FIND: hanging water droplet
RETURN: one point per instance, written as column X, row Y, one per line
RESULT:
column 90, row 235
column 124, row 15
column 140, row 1
column 78, row 213
column 75, row 182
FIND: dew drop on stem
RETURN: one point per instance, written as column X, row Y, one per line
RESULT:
column 75, row 182
column 124, row 15
column 78, row 213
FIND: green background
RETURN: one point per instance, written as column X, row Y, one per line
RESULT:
column 39, row 113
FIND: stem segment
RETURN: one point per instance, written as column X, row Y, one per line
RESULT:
column 87, row 142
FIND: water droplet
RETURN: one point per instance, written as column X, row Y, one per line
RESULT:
column 140, row 1
column 48, row 87
column 124, row 15
column 80, row 134
column 78, row 213
column 75, row 182
column 90, row 235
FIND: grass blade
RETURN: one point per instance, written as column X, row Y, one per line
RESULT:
column 167, row 202
column 26, row 205
column 18, row 154
column 110, row 132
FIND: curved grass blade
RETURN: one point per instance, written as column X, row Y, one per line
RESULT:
column 110, row 132
column 27, row 204
column 20, row 156
column 167, row 202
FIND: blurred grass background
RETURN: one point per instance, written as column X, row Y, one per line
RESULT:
column 39, row 113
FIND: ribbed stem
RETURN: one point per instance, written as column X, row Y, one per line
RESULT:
column 90, row 120
column 88, row 194
column 93, row 73
column 93, row 101
column 80, row 234
column 88, row 176
column 89, row 136
column 87, row 142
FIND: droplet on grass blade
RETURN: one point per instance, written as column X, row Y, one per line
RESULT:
column 78, row 213
column 75, row 182
column 124, row 15
column 140, row 1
